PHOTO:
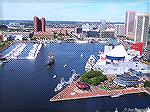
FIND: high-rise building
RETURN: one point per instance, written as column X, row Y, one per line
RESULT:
column 102, row 25
column 142, row 28
column 130, row 24
column 147, row 49
column 43, row 24
column 39, row 24
column 120, row 29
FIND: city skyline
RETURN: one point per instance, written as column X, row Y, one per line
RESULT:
column 92, row 11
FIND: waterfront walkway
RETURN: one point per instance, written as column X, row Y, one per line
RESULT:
column 72, row 92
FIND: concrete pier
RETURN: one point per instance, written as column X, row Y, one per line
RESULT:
column 72, row 92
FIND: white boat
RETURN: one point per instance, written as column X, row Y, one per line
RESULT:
column 65, row 65
column 61, row 85
column 81, row 55
column 54, row 76
column 59, row 42
column 81, row 41
column 90, row 63
column 88, row 66
column 116, row 110
column 45, row 44
column 1, row 63
column 117, row 95
column 74, row 77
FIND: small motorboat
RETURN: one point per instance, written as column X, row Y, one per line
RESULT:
column 59, row 42
column 54, row 76
column 81, row 55
column 45, row 44
column 65, row 65
column 1, row 63
column 116, row 110
column 117, row 95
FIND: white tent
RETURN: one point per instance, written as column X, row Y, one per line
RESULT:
column 118, row 51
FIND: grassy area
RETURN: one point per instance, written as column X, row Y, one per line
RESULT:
column 4, row 45
column 93, row 77
column 104, row 88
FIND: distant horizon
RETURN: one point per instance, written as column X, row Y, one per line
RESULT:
column 87, row 11
column 66, row 21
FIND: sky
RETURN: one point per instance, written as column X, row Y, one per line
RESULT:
column 85, row 10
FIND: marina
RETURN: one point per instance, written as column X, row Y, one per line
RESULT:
column 23, row 51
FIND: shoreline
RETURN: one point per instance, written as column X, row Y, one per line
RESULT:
column 145, row 62
column 7, row 46
column 66, row 94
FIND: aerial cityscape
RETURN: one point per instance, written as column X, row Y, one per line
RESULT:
column 77, row 56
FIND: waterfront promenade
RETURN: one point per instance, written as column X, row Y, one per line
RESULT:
column 72, row 92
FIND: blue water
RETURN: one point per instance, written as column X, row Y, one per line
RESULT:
column 30, row 85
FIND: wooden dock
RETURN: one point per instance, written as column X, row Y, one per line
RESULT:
column 72, row 92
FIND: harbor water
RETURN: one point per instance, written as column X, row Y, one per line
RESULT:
column 28, row 85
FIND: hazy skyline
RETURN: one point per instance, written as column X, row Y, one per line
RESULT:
column 72, row 11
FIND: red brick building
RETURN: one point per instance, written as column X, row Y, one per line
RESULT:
column 43, row 24
column 39, row 24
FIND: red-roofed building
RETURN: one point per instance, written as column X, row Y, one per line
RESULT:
column 82, row 86
column 137, row 47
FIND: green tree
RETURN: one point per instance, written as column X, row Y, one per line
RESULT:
column 93, row 77
column 147, row 84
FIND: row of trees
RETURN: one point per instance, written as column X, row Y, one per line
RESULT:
column 147, row 84
column 93, row 77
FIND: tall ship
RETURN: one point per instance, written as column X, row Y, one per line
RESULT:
column 51, row 58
